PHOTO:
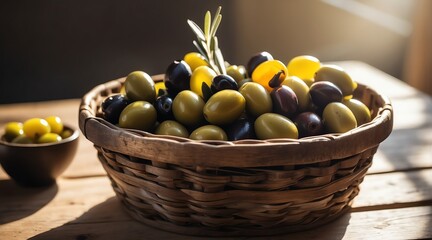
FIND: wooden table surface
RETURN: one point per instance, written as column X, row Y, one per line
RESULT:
column 395, row 201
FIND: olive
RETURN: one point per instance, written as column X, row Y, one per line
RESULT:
column 160, row 89
column 338, row 118
column 284, row 100
column 55, row 123
column 273, row 125
column 338, row 76
column 359, row 109
column 163, row 106
column 301, row 90
column 223, row 81
column 323, row 93
column 258, row 100
column 177, row 77
column 201, row 75
column 173, row 128
column 303, row 66
column 242, row 82
column 138, row 115
column 242, row 128
column 13, row 130
column 49, row 138
column 209, row 132
column 236, row 72
column 22, row 139
column 188, row 108
column 195, row 60
column 256, row 60
column 224, row 107
column 309, row 124
column 265, row 72
column 139, row 86
column 112, row 107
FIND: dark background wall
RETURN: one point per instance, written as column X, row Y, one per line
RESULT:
column 61, row 49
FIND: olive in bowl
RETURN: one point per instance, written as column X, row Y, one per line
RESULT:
column 38, row 164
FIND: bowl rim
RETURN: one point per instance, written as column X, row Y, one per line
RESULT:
column 73, row 137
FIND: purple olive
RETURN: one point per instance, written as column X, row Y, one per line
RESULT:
column 163, row 106
column 284, row 100
column 177, row 77
column 222, row 82
column 324, row 92
column 256, row 60
column 112, row 106
column 309, row 124
column 242, row 128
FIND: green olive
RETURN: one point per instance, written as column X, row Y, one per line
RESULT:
column 273, row 125
column 138, row 115
column 209, row 132
column 301, row 90
column 173, row 128
column 359, row 109
column 22, row 139
column 236, row 72
column 188, row 108
column 258, row 100
column 338, row 118
column 338, row 76
column 224, row 107
column 139, row 86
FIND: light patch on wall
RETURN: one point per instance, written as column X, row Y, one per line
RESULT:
column 386, row 20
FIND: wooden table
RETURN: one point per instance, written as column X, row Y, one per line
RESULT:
column 395, row 201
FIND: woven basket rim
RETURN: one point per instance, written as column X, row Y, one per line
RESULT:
column 177, row 150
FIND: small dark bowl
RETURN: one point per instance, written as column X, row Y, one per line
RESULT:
column 35, row 165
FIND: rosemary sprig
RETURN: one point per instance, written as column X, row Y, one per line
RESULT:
column 207, row 42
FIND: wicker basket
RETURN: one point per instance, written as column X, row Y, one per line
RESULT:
column 242, row 188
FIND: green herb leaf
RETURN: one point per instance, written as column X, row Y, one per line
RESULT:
column 207, row 24
column 207, row 42
column 197, row 30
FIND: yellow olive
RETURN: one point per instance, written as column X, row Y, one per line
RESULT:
column 36, row 127
column 188, row 108
column 138, row 115
column 301, row 90
column 173, row 128
column 338, row 76
column 209, row 132
column 49, row 138
column 267, row 70
column 195, row 60
column 303, row 66
column 13, row 130
column 359, row 109
column 202, row 74
column 55, row 123
column 338, row 118
column 158, row 87
column 224, row 107
column 273, row 125
column 139, row 86
column 258, row 100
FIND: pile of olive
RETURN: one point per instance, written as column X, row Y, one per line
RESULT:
column 36, row 130
column 264, row 99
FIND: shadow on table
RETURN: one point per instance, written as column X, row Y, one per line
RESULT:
column 108, row 220
column 27, row 200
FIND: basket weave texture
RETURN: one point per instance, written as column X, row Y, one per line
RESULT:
column 241, row 188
